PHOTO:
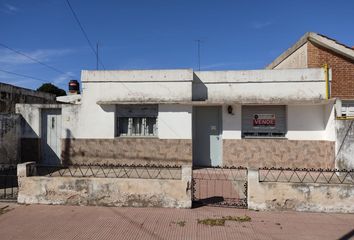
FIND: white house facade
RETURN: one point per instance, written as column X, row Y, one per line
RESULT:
column 256, row 118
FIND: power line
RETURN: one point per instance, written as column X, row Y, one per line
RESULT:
column 35, row 60
column 84, row 32
column 25, row 76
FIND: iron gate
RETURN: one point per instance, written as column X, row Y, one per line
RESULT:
column 220, row 186
column 8, row 182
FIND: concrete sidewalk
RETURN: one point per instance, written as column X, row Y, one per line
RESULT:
column 71, row 222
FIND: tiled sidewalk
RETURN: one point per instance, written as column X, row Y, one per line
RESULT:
column 70, row 222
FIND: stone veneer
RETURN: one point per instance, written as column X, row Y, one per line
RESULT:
column 278, row 153
column 127, row 151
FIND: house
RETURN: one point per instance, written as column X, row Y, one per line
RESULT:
column 315, row 50
column 10, row 122
column 255, row 118
column 10, row 95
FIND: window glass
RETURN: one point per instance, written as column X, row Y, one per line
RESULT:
column 137, row 120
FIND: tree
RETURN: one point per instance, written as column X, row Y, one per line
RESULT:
column 50, row 88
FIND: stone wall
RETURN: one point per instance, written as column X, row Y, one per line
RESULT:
column 127, row 192
column 127, row 151
column 9, row 138
column 313, row 197
column 278, row 153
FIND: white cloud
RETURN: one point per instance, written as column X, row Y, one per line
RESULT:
column 260, row 25
column 9, row 57
column 63, row 78
column 9, row 9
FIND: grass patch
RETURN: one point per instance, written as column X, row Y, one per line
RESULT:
column 221, row 221
column 180, row 223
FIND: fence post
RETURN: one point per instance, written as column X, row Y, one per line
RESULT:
column 23, row 169
column 187, row 178
column 253, row 188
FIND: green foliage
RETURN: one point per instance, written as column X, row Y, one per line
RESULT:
column 221, row 221
column 50, row 88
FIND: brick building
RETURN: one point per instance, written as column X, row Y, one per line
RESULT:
column 314, row 50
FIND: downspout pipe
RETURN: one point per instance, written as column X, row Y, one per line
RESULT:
column 326, row 71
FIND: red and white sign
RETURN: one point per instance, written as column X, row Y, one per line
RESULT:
column 264, row 120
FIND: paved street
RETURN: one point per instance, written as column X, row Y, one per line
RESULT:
column 69, row 222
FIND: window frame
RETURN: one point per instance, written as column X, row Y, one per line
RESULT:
column 263, row 133
column 143, row 126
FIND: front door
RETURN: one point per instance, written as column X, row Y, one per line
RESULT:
column 207, row 142
column 51, row 137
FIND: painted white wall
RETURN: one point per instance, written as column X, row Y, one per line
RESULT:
column 231, row 123
column 175, row 121
column 310, row 122
column 137, row 86
column 297, row 59
column 262, row 86
column 329, row 122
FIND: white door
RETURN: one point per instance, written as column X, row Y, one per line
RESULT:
column 51, row 137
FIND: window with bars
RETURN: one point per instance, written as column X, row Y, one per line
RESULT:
column 137, row 120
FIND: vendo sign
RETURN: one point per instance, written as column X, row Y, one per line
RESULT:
column 264, row 120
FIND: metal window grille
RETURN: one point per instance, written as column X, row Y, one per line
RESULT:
column 137, row 126
column 137, row 120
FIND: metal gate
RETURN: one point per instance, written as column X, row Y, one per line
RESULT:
column 8, row 182
column 220, row 186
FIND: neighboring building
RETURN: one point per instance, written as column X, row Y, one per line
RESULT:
column 10, row 95
column 10, row 123
column 273, row 118
column 313, row 51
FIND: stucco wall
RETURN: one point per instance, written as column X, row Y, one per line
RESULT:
column 127, row 192
column 175, row 121
column 127, row 151
column 297, row 59
column 10, row 141
column 310, row 122
column 312, row 197
column 278, row 153
column 261, row 86
column 345, row 144
column 231, row 123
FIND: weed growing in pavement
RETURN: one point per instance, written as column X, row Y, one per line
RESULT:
column 4, row 210
column 221, row 221
column 180, row 223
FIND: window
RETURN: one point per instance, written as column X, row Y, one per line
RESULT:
column 347, row 109
column 263, row 121
column 137, row 120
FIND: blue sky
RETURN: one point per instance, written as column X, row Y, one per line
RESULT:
column 159, row 34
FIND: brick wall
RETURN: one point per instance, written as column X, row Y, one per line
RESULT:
column 342, row 70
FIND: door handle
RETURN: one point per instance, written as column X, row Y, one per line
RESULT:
column 53, row 120
column 217, row 138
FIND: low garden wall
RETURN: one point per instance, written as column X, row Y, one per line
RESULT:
column 301, row 190
column 106, row 186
